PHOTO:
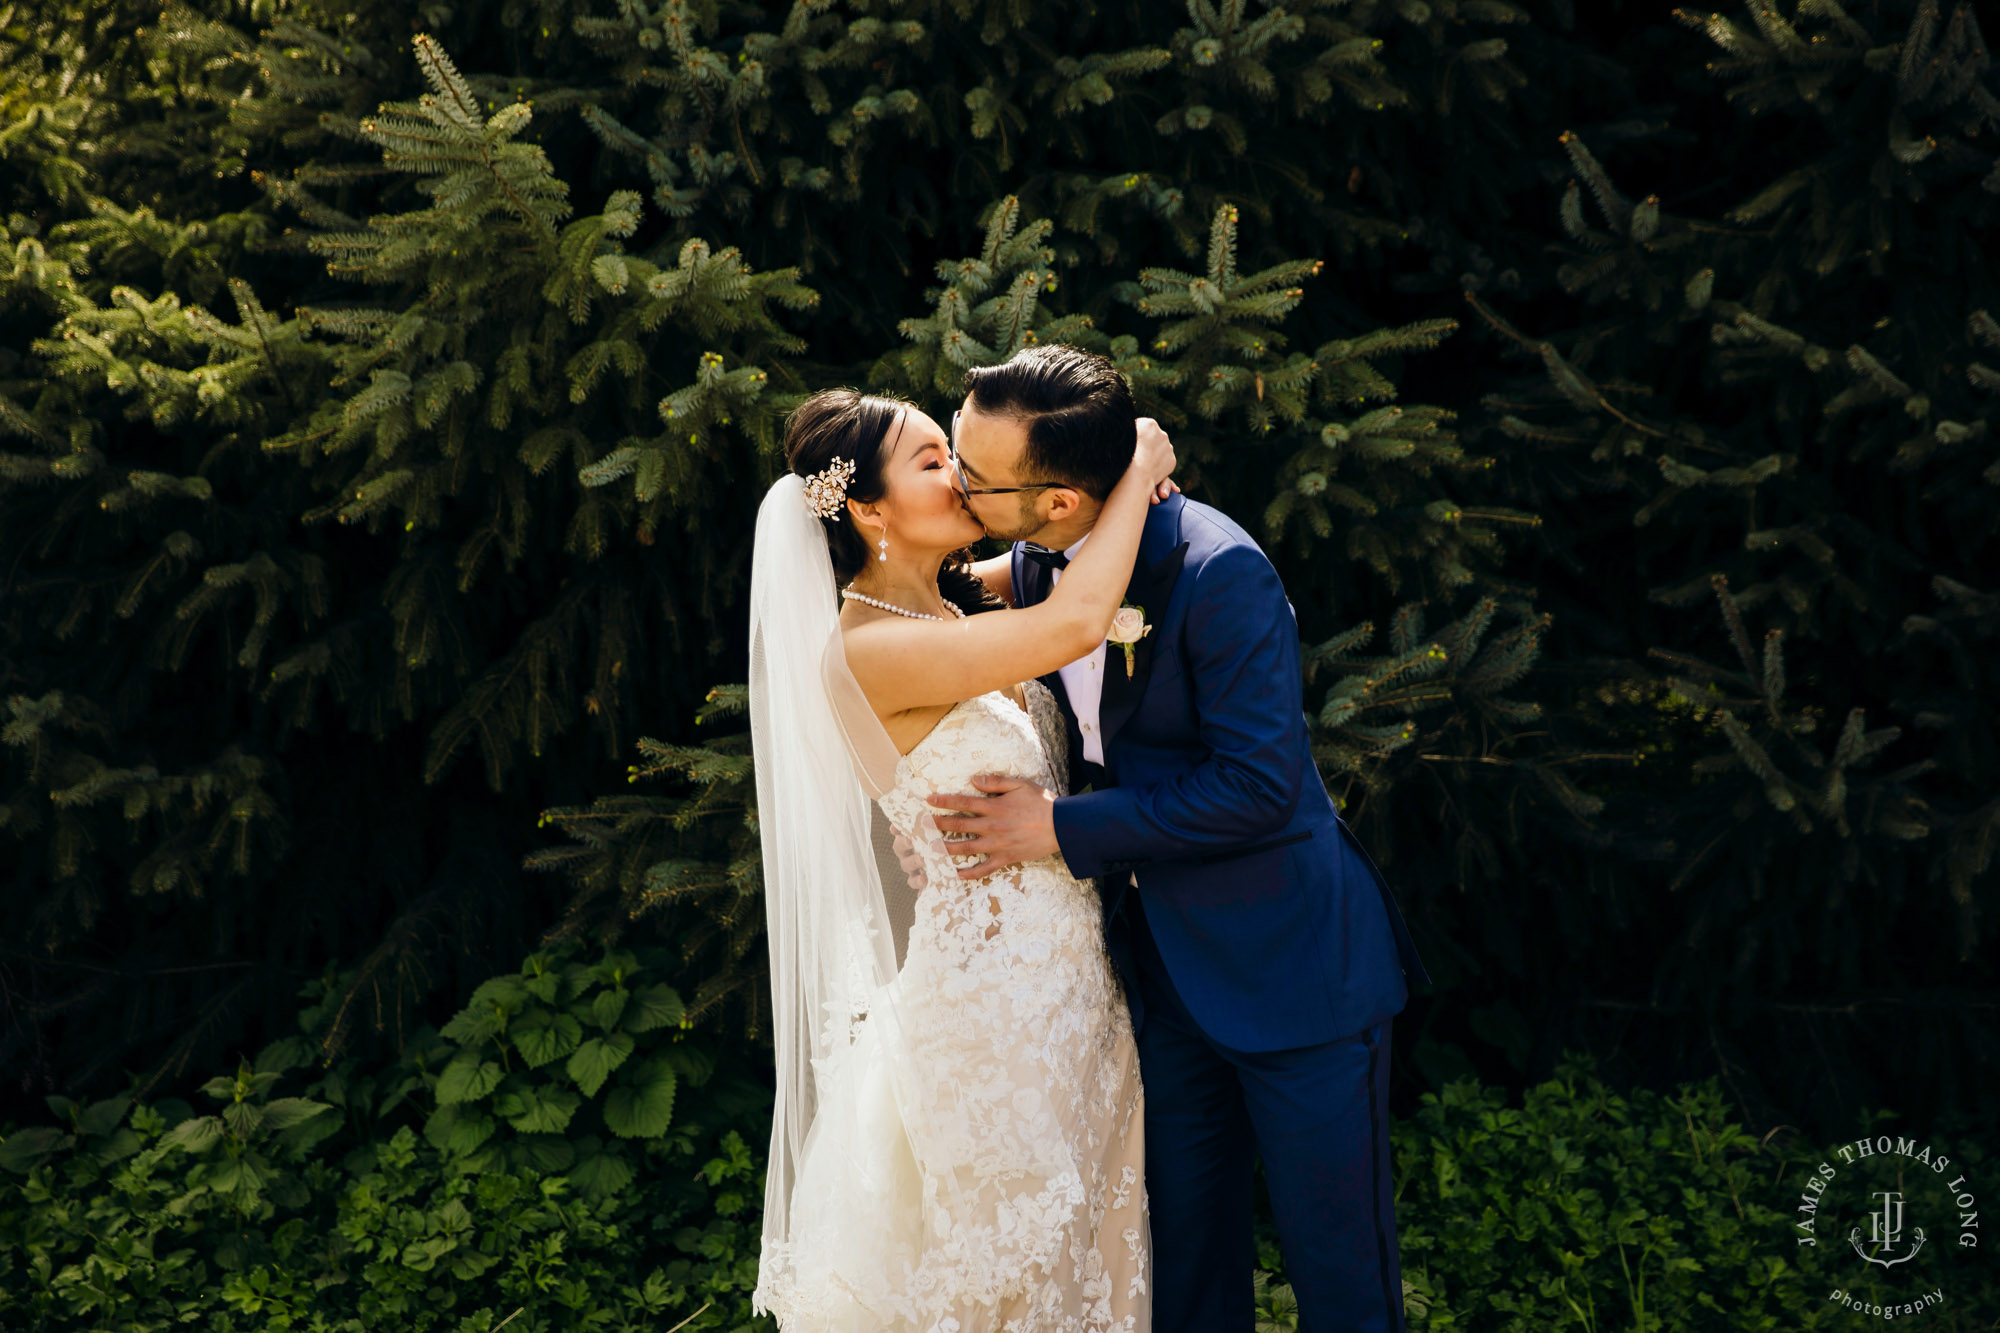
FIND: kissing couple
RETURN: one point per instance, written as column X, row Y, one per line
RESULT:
column 1142, row 950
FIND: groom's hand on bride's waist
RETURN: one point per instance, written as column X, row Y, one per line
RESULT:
column 1011, row 820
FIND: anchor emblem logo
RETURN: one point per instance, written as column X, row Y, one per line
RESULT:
column 1885, row 1232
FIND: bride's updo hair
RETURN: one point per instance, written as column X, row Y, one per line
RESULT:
column 844, row 423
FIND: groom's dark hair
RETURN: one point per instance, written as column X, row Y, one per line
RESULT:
column 1077, row 409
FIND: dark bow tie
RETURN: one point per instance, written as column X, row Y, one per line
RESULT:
column 1044, row 557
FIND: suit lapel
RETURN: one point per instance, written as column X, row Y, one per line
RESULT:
column 1150, row 589
column 1031, row 581
column 1161, row 554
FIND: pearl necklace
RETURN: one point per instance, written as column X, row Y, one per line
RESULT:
column 956, row 610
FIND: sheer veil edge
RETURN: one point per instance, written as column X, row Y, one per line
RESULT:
column 832, row 945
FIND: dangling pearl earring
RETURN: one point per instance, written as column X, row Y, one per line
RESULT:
column 884, row 545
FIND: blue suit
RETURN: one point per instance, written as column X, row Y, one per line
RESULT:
column 1262, row 954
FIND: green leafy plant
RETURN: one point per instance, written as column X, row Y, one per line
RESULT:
column 558, row 1155
column 1573, row 1207
column 1591, row 1209
column 551, row 1055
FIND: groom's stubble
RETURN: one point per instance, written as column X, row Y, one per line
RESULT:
column 1026, row 524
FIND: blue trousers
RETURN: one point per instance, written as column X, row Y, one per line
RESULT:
column 1317, row 1115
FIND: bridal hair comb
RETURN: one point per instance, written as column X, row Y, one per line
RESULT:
column 826, row 491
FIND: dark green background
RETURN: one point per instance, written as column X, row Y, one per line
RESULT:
column 292, row 665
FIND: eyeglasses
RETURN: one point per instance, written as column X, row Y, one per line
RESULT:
column 958, row 471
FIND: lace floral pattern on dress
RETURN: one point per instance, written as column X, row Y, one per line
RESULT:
column 977, row 1164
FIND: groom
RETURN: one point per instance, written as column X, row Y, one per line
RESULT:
column 1261, row 952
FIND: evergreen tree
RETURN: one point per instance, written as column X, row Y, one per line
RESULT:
column 498, row 599
column 383, row 417
column 1783, row 404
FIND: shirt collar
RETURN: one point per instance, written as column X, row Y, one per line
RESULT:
column 1076, row 546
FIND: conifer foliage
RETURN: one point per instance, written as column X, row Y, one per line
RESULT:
column 387, row 394
column 1789, row 390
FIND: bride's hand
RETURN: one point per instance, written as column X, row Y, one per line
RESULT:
column 1153, row 458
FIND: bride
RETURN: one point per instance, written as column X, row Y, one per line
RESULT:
column 958, row 1142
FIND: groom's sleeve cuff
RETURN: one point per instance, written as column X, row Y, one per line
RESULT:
column 1080, row 823
column 1083, row 860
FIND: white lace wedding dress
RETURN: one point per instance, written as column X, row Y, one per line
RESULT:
column 975, row 1163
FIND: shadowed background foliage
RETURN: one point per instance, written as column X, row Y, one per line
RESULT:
column 386, row 392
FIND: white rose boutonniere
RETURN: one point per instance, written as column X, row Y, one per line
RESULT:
column 1129, row 626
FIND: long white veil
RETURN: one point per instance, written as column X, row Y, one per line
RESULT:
column 831, row 944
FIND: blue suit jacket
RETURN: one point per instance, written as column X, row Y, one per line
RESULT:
column 1276, row 928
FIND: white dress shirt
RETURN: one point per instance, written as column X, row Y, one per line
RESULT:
column 1083, row 681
